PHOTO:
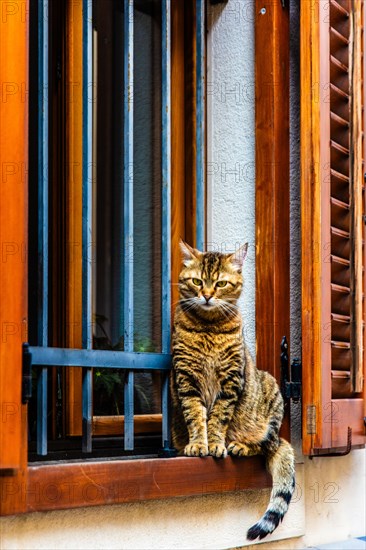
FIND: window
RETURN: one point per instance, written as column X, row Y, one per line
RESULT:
column 333, row 228
column 100, row 274
column 26, row 486
column 103, row 225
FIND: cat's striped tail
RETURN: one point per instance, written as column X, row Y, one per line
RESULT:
column 281, row 465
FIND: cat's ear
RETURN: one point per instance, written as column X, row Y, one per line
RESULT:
column 238, row 257
column 188, row 253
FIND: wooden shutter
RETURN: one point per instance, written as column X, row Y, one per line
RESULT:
column 333, row 230
column 13, row 229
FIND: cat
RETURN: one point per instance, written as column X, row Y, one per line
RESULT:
column 222, row 404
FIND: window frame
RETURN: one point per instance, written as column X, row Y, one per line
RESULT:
column 49, row 486
column 272, row 209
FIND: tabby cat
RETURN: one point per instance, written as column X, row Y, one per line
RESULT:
column 222, row 404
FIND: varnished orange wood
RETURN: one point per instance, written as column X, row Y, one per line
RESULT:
column 178, row 202
column 272, row 186
column 311, row 250
column 190, row 119
column 363, row 45
column 13, row 242
column 183, row 88
column 356, row 173
column 332, row 416
column 56, row 487
column 344, row 413
column 73, row 293
column 314, row 113
column 13, row 226
column 323, row 267
column 114, row 425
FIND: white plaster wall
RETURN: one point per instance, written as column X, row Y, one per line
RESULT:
column 329, row 502
column 231, row 147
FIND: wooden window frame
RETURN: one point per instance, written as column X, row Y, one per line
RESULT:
column 272, row 82
column 89, row 483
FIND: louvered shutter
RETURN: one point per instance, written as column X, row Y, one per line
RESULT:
column 333, row 229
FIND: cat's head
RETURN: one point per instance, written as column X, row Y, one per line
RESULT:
column 210, row 283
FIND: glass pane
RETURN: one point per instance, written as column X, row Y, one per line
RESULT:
column 147, row 176
column 108, row 204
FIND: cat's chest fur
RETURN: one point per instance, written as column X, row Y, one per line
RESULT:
column 212, row 363
column 210, row 379
column 206, row 356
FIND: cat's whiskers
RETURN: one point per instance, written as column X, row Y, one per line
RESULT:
column 223, row 310
column 231, row 303
column 228, row 307
column 182, row 300
column 188, row 304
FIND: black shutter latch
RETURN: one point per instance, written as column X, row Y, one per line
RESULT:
column 290, row 385
column 26, row 374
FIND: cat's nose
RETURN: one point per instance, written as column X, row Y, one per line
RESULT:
column 207, row 297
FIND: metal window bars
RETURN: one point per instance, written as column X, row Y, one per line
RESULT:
column 42, row 356
column 42, row 335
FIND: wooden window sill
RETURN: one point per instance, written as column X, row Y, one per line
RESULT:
column 61, row 486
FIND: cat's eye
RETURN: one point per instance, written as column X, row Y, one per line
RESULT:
column 221, row 284
column 197, row 282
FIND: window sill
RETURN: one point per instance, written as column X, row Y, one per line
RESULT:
column 58, row 487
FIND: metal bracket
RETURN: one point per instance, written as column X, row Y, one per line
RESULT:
column 167, row 451
column 291, row 389
column 340, row 453
column 26, row 374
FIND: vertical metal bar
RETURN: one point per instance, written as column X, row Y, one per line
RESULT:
column 129, row 411
column 42, row 219
column 200, row 124
column 166, row 208
column 87, row 410
column 87, row 220
column 165, row 410
column 128, row 315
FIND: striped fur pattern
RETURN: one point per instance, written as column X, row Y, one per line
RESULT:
column 222, row 404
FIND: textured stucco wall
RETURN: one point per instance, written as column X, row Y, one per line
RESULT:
column 329, row 502
column 231, row 151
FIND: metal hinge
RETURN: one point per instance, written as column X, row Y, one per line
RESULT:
column 311, row 419
column 290, row 385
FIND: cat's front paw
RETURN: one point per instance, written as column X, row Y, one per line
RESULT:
column 196, row 449
column 217, row 449
column 238, row 449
